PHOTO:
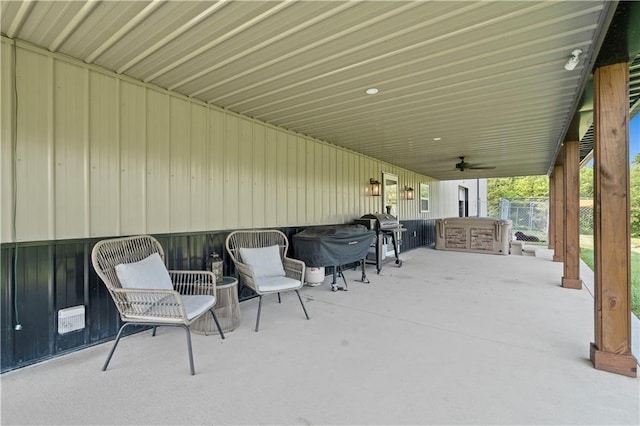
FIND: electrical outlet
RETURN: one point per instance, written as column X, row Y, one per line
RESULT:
column 415, row 234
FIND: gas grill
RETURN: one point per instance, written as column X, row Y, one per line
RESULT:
column 385, row 226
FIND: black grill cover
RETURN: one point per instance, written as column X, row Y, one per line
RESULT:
column 332, row 245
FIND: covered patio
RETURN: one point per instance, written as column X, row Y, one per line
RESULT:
column 190, row 120
column 448, row 338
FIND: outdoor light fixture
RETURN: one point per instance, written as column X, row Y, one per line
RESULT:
column 375, row 187
column 408, row 193
column 573, row 61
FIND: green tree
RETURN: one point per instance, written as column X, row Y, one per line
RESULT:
column 586, row 182
column 586, row 192
column 634, row 196
column 513, row 188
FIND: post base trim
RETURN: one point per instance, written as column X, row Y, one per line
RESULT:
column 573, row 283
column 626, row 365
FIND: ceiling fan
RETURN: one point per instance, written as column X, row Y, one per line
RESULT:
column 462, row 166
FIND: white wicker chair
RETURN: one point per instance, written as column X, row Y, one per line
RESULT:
column 292, row 278
column 150, row 306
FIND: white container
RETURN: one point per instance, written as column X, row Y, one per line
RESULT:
column 516, row 247
column 314, row 276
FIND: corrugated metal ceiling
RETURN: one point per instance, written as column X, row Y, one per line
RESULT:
column 487, row 78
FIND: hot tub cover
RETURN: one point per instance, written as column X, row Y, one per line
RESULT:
column 332, row 245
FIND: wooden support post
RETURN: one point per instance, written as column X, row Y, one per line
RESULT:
column 571, row 278
column 558, row 196
column 611, row 350
column 552, row 212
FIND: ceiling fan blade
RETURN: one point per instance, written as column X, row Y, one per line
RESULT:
column 462, row 166
column 481, row 167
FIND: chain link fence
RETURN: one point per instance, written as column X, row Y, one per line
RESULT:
column 528, row 215
column 531, row 215
column 586, row 216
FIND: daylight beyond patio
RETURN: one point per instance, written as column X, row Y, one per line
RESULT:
column 448, row 338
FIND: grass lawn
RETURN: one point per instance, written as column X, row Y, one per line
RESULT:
column 586, row 253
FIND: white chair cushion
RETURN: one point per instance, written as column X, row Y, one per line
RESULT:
column 264, row 261
column 149, row 273
column 269, row 284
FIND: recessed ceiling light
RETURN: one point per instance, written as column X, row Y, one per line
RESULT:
column 372, row 91
column 437, row 139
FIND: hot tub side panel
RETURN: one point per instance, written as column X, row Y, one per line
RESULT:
column 476, row 235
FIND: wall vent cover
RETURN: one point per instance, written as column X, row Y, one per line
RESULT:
column 70, row 319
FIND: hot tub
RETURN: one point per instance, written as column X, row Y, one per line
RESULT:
column 473, row 234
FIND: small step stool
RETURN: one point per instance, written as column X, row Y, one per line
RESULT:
column 516, row 247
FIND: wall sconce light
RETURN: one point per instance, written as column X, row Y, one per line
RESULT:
column 375, row 187
column 408, row 193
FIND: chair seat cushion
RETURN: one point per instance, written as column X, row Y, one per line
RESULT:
column 149, row 273
column 197, row 305
column 273, row 284
column 264, row 261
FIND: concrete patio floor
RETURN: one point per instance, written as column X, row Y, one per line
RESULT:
column 449, row 338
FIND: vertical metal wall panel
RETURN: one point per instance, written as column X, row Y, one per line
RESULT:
column 6, row 147
column 70, row 263
column 6, row 308
column 101, row 313
column 353, row 189
column 70, row 155
column 231, row 155
column 321, row 202
column 158, row 162
column 180, row 159
column 325, row 183
column 271, row 176
column 446, row 198
column 104, row 156
column 34, row 300
column 366, row 170
column 340, row 188
column 69, row 275
column 215, row 191
column 245, row 172
column 35, row 213
column 292, row 178
column 281, row 179
column 198, row 184
column 309, row 188
column 258, row 178
column 360, row 192
column 332, row 184
column 132, row 158
column 300, row 181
